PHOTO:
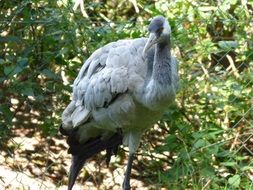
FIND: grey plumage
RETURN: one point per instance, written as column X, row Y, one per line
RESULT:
column 121, row 90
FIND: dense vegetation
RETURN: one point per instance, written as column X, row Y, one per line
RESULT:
column 203, row 142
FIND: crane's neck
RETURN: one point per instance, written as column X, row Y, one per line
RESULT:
column 158, row 90
column 162, row 64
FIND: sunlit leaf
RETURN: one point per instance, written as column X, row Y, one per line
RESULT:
column 235, row 180
column 229, row 164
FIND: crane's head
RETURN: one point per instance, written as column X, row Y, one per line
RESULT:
column 159, row 29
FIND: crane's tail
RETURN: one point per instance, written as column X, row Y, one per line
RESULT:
column 76, row 166
column 83, row 151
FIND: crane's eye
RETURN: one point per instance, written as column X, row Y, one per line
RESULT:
column 159, row 31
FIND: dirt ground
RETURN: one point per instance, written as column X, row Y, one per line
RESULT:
column 33, row 162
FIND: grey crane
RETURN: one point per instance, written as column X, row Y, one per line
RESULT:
column 121, row 90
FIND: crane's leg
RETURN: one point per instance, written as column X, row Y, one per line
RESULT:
column 126, row 183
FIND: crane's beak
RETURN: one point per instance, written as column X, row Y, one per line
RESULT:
column 151, row 41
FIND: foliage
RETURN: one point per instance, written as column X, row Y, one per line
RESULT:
column 203, row 142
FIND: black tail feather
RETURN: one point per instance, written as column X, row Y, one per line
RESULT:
column 76, row 166
column 109, row 152
column 64, row 131
column 82, row 152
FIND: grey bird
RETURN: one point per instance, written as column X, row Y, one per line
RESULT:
column 121, row 90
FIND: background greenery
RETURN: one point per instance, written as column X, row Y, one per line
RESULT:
column 204, row 142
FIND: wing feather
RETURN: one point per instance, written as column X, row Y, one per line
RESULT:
column 106, row 73
column 80, row 115
column 93, row 65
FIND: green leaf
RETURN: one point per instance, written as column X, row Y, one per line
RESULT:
column 49, row 73
column 184, row 154
column 12, row 70
column 207, row 171
column 8, row 114
column 171, row 139
column 9, row 39
column 2, row 61
column 224, row 153
column 245, row 168
column 213, row 149
column 8, row 70
column 22, row 62
column 200, row 143
column 17, row 70
column 198, row 134
column 229, row 164
column 227, row 45
column 235, row 180
column 28, row 91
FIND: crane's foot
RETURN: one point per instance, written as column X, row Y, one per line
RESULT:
column 126, row 185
